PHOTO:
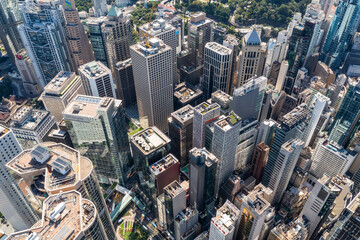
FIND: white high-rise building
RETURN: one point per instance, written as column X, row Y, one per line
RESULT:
column 13, row 203
column 282, row 75
column 100, row 8
column 203, row 113
column 284, row 167
column 153, row 77
column 249, row 57
column 224, row 143
column 217, row 68
column 97, row 80
column 167, row 33
column 44, row 38
column 330, row 159
column 225, row 225
column 316, row 107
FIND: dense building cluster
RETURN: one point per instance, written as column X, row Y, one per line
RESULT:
column 186, row 133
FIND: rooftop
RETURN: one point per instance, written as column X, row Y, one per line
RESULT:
column 253, row 83
column 252, row 38
column 163, row 164
column 94, row 69
column 3, row 130
column 28, row 118
column 257, row 199
column 60, row 83
column 87, row 106
column 61, row 165
column 208, row 157
column 186, row 214
column 229, row 121
column 186, row 93
column 184, row 113
column 157, row 26
column 296, row 116
column 64, row 216
column 149, row 140
column 155, row 46
column 124, row 64
column 173, row 189
column 206, row 107
column 226, row 216
column 222, row 98
column 218, row 48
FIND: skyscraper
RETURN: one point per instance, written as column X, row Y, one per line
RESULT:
column 346, row 119
column 248, row 99
column 97, row 80
column 284, row 167
column 10, row 20
column 60, row 92
column 97, row 129
column 226, row 223
column 202, row 172
column 292, row 126
column 116, row 33
column 152, row 67
column 203, row 113
column 217, row 68
column 199, row 33
column 226, row 133
column 76, row 36
column 167, row 33
column 100, row 8
column 56, row 206
column 259, row 160
column 59, row 168
column 124, row 80
column 249, row 57
column 13, row 203
column 44, row 38
column 341, row 32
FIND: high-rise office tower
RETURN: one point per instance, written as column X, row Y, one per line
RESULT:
column 97, row 80
column 96, row 38
column 27, row 72
column 259, row 160
column 248, row 99
column 181, row 133
column 100, row 8
column 249, row 57
column 284, row 167
column 152, row 67
column 347, row 117
column 232, row 42
column 320, row 203
column 233, row 185
column 226, row 223
column 347, row 226
column 60, row 92
column 124, row 80
column 342, row 29
column 254, row 209
column 44, row 38
column 314, row 14
column 59, row 168
column 316, row 108
column 292, row 126
column 186, row 224
column 97, row 128
column 175, row 202
column 330, row 159
column 266, row 132
column 167, row 33
column 225, row 139
column 57, row 208
column 199, row 33
column 299, row 43
column 78, row 41
column 203, row 113
column 116, row 31
column 149, row 146
column 217, row 68
column 280, row 81
column 13, row 203
column 202, row 174
column 10, row 20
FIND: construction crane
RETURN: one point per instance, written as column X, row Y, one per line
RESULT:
column 146, row 35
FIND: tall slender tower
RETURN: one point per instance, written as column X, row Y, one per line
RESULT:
column 341, row 32
column 217, row 68
column 13, row 203
column 100, row 8
column 152, row 67
column 44, row 38
column 77, row 39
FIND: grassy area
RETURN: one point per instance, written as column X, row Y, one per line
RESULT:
column 126, row 229
column 135, row 131
column 113, row 186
